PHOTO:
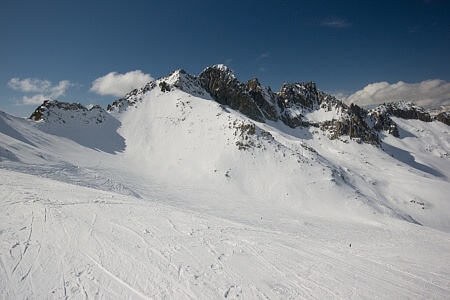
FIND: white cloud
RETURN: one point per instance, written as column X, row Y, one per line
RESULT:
column 429, row 93
column 228, row 61
column 29, row 85
column 118, row 85
column 44, row 88
column 37, row 99
column 60, row 89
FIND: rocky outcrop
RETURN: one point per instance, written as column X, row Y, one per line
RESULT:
column 294, row 99
column 408, row 110
column 383, row 122
column 404, row 110
column 444, row 117
column 303, row 95
column 354, row 126
column 220, row 82
column 264, row 98
column 62, row 112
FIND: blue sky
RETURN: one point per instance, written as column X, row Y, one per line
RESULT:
column 364, row 51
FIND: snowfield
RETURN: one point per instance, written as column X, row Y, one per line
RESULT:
column 174, row 196
column 64, row 241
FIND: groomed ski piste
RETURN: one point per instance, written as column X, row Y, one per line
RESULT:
column 178, row 197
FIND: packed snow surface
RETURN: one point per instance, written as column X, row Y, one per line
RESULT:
column 61, row 240
column 187, row 199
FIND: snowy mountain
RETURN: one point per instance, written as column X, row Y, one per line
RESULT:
column 207, row 187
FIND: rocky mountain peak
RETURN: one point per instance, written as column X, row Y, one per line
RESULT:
column 223, row 70
column 181, row 80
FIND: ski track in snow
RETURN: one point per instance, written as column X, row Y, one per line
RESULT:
column 63, row 241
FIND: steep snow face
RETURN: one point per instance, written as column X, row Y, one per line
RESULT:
column 198, row 144
column 423, row 153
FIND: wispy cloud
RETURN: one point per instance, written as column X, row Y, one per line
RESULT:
column 44, row 89
column 429, row 93
column 263, row 56
column 335, row 23
column 118, row 85
column 340, row 95
column 228, row 61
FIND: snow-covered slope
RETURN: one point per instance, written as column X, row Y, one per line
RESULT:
column 173, row 194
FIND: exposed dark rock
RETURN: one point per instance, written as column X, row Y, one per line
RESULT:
column 444, row 117
column 44, row 110
column 223, row 87
column 264, row 98
column 404, row 110
column 354, row 126
column 298, row 94
column 293, row 121
column 165, row 87
column 383, row 122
